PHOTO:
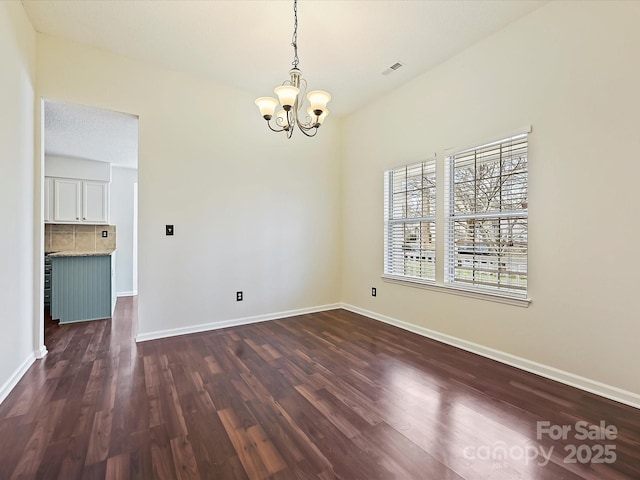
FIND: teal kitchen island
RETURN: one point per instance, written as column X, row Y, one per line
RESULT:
column 82, row 286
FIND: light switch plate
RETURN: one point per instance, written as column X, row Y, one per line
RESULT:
column 169, row 230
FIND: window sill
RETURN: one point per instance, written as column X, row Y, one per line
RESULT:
column 453, row 290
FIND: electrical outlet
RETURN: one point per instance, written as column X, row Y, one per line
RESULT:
column 238, row 296
column 168, row 229
column 374, row 292
column 105, row 233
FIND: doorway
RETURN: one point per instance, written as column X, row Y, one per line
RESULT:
column 86, row 145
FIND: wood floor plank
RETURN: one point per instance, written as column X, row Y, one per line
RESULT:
column 118, row 467
column 267, row 452
column 214, row 452
column 99, row 438
column 331, row 414
column 184, row 459
column 51, row 462
column 95, row 471
column 161, row 456
column 140, row 462
column 323, row 396
column 243, row 445
column 291, row 442
column 72, row 463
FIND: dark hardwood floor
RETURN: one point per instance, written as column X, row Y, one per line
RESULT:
column 319, row 396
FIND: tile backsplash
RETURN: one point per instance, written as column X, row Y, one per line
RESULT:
column 78, row 238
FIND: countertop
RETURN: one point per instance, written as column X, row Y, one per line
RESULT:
column 72, row 253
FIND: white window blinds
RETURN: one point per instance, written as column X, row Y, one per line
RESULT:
column 486, row 216
column 409, row 221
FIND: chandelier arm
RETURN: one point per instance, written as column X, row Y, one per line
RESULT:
column 308, row 123
column 291, row 120
column 306, row 130
column 273, row 129
column 307, row 127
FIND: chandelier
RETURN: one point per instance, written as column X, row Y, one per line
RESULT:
column 291, row 96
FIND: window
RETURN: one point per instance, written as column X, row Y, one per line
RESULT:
column 486, row 217
column 409, row 221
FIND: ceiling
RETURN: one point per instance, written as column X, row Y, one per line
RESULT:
column 80, row 131
column 344, row 46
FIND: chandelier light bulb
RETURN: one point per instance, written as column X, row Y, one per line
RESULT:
column 287, row 95
column 267, row 106
column 318, row 100
column 317, row 118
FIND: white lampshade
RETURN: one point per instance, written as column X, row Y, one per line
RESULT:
column 287, row 95
column 267, row 106
column 318, row 99
column 281, row 119
column 315, row 118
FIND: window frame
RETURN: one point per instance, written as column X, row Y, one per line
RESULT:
column 441, row 228
column 390, row 220
column 499, row 272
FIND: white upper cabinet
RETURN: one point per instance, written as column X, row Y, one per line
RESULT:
column 79, row 201
column 95, row 202
column 66, row 200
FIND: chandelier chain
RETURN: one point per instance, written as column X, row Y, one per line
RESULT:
column 294, row 39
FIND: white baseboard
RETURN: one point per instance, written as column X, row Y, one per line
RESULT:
column 133, row 293
column 583, row 383
column 232, row 323
column 41, row 352
column 6, row 388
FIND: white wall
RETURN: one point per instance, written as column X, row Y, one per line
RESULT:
column 572, row 71
column 252, row 211
column 17, row 280
column 122, row 216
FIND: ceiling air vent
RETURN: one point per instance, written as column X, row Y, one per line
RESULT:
column 392, row 68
